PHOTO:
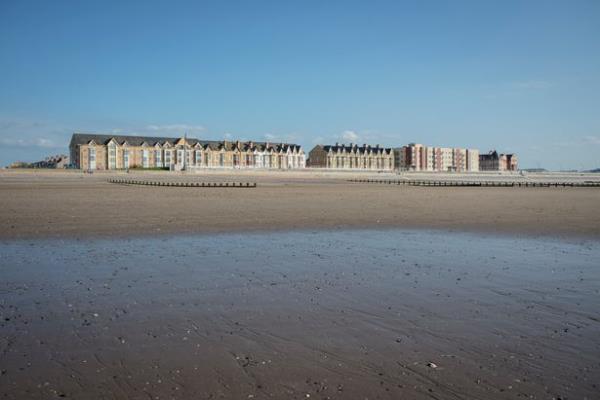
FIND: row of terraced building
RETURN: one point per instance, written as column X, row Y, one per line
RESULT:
column 110, row 152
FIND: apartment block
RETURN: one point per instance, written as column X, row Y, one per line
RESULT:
column 472, row 160
column 418, row 157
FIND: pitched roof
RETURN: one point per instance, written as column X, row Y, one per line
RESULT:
column 365, row 148
column 85, row 138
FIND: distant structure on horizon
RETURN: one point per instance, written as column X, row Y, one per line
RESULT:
column 351, row 156
column 58, row 161
column 110, row 152
column 497, row 162
column 418, row 157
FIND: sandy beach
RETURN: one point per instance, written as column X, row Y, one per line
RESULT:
column 72, row 204
column 307, row 286
column 364, row 314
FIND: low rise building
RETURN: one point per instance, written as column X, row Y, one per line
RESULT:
column 352, row 156
column 57, row 161
column 493, row 161
column 110, row 152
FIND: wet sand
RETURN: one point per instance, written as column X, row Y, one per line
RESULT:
column 70, row 204
column 327, row 314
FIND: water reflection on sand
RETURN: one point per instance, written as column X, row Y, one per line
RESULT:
column 330, row 314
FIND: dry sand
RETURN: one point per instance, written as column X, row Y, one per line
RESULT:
column 71, row 204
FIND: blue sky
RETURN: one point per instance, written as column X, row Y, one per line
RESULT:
column 518, row 76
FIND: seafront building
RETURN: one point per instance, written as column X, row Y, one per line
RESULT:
column 352, row 156
column 58, row 161
column 418, row 157
column 111, row 152
column 498, row 162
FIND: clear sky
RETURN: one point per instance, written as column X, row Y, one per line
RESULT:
column 517, row 76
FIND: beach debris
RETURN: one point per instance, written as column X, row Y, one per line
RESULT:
column 432, row 365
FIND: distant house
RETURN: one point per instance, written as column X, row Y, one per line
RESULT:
column 497, row 162
column 352, row 156
column 110, row 152
column 57, row 161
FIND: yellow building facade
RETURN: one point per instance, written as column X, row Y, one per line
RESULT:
column 107, row 152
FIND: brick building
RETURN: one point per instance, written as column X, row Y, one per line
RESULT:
column 352, row 156
column 110, row 152
column 498, row 162
column 417, row 157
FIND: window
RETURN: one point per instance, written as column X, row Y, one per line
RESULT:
column 145, row 159
column 92, row 158
column 207, row 159
column 167, row 158
column 180, row 157
column 198, row 157
column 158, row 158
column 221, row 159
column 125, row 158
column 236, row 160
column 112, row 157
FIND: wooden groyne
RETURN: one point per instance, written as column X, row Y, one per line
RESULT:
column 474, row 183
column 185, row 184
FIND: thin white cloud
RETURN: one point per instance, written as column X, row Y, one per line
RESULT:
column 350, row 136
column 501, row 90
column 289, row 138
column 318, row 140
column 594, row 140
column 30, row 142
column 366, row 136
column 533, row 85
column 579, row 142
column 175, row 128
